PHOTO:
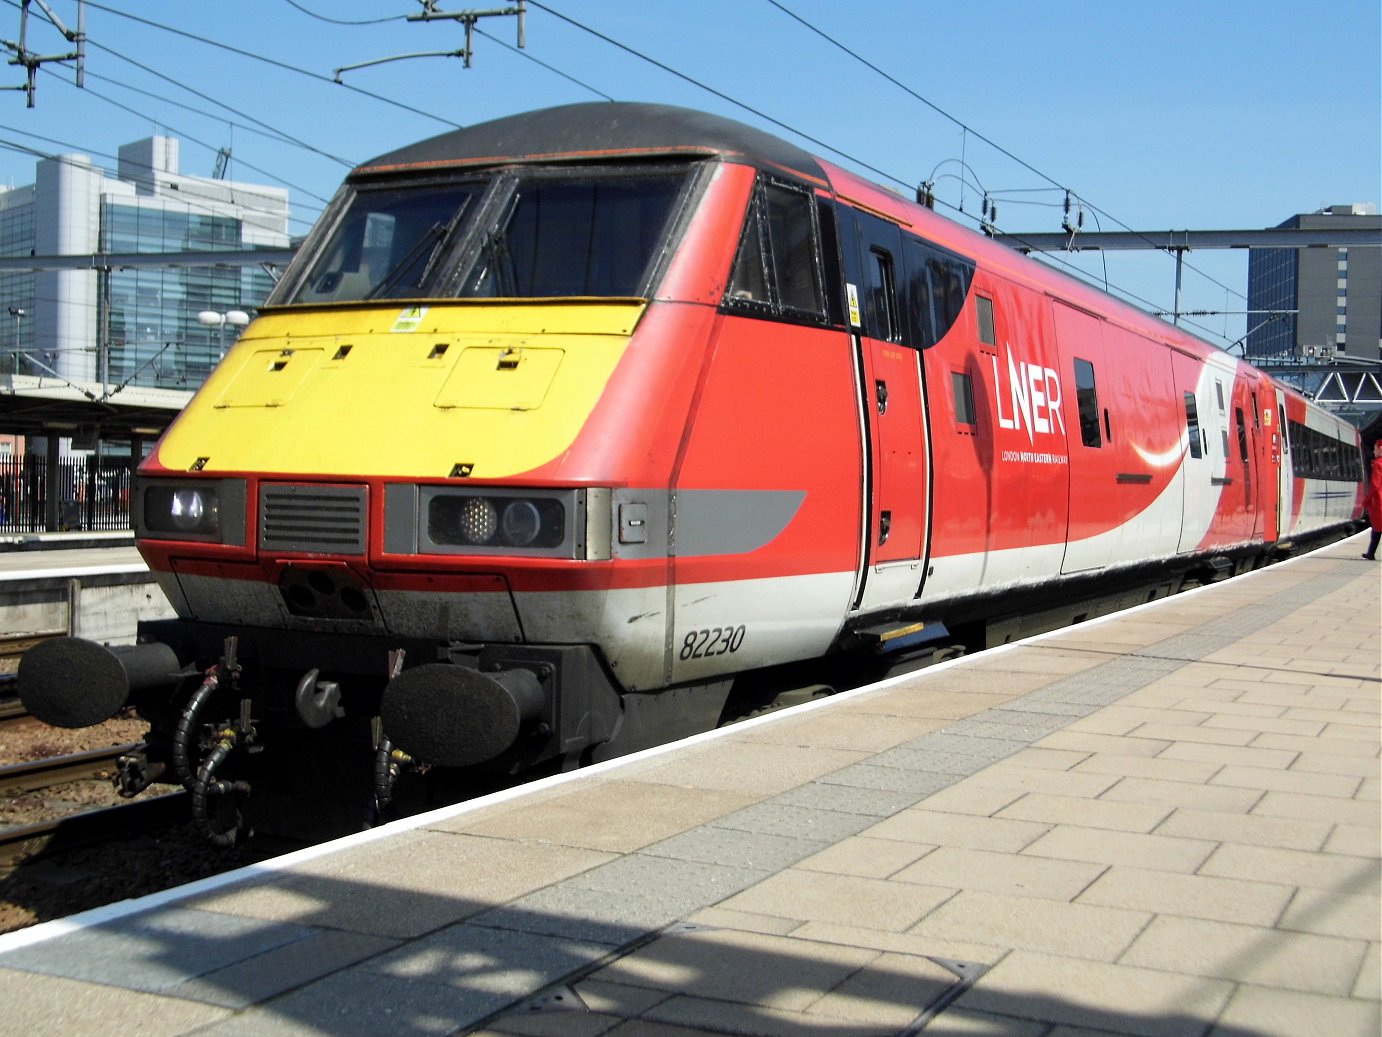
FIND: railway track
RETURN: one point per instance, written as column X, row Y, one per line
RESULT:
column 33, row 775
column 10, row 708
column 12, row 646
column 91, row 828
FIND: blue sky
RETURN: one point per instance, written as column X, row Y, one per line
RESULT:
column 1163, row 114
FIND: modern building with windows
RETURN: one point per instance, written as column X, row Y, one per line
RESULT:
column 136, row 325
column 1318, row 302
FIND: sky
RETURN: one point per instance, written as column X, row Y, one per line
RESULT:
column 1156, row 114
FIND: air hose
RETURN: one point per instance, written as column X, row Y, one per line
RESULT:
column 187, row 727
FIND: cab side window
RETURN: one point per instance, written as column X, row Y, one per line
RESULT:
column 1088, row 399
column 883, row 295
column 777, row 270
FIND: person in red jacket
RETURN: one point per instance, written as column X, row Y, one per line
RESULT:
column 1373, row 502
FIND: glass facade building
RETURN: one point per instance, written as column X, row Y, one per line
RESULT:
column 135, row 325
column 1324, row 302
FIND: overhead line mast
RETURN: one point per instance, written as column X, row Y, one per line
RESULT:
column 31, row 61
column 430, row 13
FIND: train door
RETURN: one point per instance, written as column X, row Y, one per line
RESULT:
column 1280, row 445
column 1245, row 443
column 1079, row 339
column 1265, row 454
column 1199, row 466
column 894, row 410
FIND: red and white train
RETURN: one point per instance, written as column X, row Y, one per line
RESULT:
column 560, row 425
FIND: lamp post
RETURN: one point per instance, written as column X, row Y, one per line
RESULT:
column 18, row 315
column 217, row 319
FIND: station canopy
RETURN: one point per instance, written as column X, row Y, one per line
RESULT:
column 46, row 406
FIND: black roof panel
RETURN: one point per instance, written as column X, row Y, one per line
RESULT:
column 595, row 129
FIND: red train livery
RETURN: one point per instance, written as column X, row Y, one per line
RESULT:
column 563, row 430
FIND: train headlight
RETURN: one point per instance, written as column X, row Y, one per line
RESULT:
column 182, row 509
column 496, row 521
column 195, row 511
column 209, row 510
column 446, row 519
column 474, row 521
column 522, row 523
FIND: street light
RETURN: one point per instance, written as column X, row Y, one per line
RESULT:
column 18, row 315
column 217, row 319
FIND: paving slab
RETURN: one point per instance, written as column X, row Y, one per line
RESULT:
column 1160, row 823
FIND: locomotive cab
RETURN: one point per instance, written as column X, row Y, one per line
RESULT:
column 423, row 503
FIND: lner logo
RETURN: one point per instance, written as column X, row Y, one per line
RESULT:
column 1033, row 397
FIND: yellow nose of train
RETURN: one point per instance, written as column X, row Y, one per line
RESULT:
column 475, row 389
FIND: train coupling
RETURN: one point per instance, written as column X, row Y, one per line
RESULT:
column 134, row 772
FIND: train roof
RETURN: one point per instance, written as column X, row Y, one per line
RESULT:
column 600, row 129
column 622, row 129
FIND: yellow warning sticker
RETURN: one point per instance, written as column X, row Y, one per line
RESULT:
column 409, row 319
column 854, row 306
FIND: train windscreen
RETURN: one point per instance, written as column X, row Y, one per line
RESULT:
column 563, row 236
column 385, row 245
column 525, row 233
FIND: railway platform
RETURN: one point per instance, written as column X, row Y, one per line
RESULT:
column 95, row 585
column 1165, row 822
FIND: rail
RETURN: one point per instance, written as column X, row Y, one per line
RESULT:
column 91, row 828
column 33, row 775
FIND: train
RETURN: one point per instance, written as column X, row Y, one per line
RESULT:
column 575, row 431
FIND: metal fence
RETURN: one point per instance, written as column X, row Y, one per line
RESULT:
column 90, row 494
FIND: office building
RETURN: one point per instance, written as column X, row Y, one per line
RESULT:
column 138, row 325
column 1318, row 302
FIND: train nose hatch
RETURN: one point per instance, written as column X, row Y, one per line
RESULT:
column 455, row 716
column 509, row 377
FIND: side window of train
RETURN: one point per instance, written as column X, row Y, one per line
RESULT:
column 830, row 257
column 1242, row 433
column 749, row 282
column 983, row 311
column 966, row 417
column 1192, row 425
column 1285, row 431
column 1088, row 399
column 949, row 284
column 777, row 270
column 937, row 284
column 882, row 275
column 1219, row 393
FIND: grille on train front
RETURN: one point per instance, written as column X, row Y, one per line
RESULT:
column 327, row 519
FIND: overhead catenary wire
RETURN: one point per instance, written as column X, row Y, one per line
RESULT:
column 720, row 94
column 282, row 65
column 200, row 204
column 296, row 141
column 185, row 135
column 548, row 8
column 342, row 21
column 549, row 67
column 1070, row 267
column 969, row 130
column 267, row 134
